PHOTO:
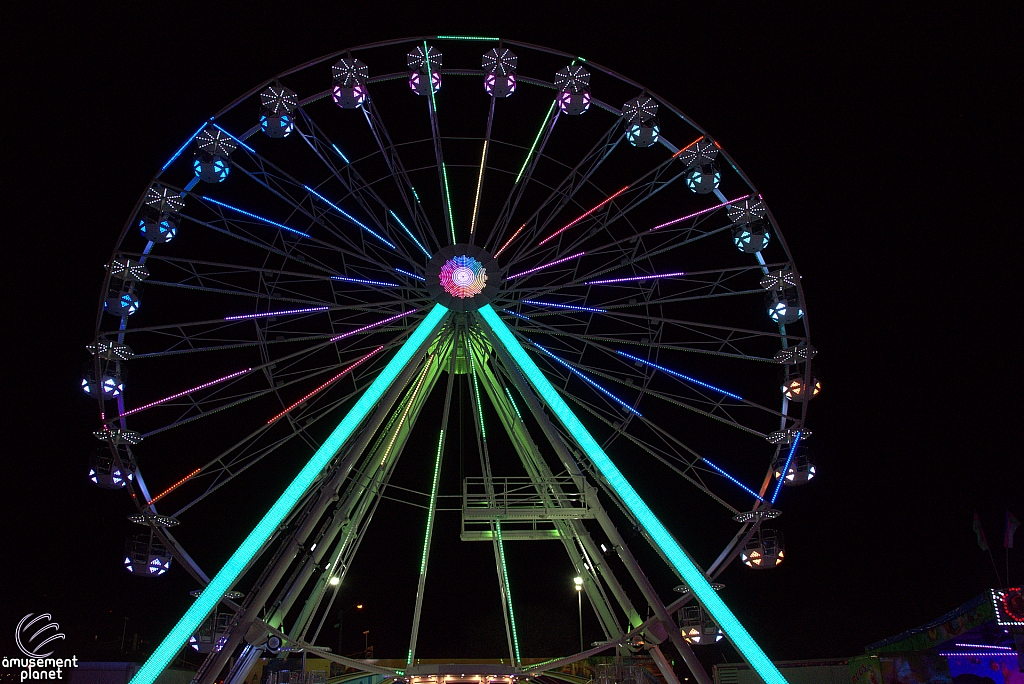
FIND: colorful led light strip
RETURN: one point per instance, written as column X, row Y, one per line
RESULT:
column 409, row 233
column 564, row 306
column 698, row 213
column 547, row 265
column 181, row 394
column 973, row 654
column 433, row 504
column 365, row 282
column 476, row 392
column 444, row 169
column 589, row 381
column 785, row 469
column 344, row 213
column 734, row 480
column 226, row 577
column 251, row 215
column 653, row 276
column 692, row 575
column 269, row 314
column 182, row 149
column 466, row 38
column 683, row 149
column 234, row 138
column 516, row 408
column 509, row 241
column 172, row 487
column 410, row 274
column 343, row 157
column 479, row 184
column 680, row 375
column 582, row 216
column 325, row 385
column 373, row 325
column 529, row 154
column 405, row 412
column 993, row 646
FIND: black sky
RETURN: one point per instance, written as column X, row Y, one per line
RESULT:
column 884, row 137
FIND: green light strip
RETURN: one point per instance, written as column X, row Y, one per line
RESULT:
column 444, row 169
column 508, row 592
column 466, row 38
column 691, row 574
column 535, row 141
column 479, row 184
column 476, row 391
column 225, row 579
column 514, row 404
column 430, row 518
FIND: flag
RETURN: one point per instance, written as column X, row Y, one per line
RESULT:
column 982, row 542
column 1011, row 526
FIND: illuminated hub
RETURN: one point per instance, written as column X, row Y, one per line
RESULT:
column 573, row 83
column 159, row 229
column 795, row 388
column 104, row 471
column 211, row 159
column 697, row 626
column 277, row 111
column 349, row 83
column 422, row 62
column 122, row 302
column 500, row 65
column 463, row 277
column 111, row 384
column 640, row 117
column 146, row 556
column 801, row 468
column 764, row 550
column 703, row 179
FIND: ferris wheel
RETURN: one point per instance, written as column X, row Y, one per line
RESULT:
column 402, row 219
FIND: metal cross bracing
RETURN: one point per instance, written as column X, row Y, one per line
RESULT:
column 293, row 284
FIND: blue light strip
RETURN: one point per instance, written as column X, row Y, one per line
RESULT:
column 564, row 306
column 343, row 157
column 588, row 380
column 517, row 315
column 344, row 213
column 234, row 138
column 734, row 480
column 365, row 282
column 411, row 236
column 659, row 535
column 785, row 469
column 410, row 274
column 225, row 579
column 251, row 215
column 178, row 153
column 680, row 375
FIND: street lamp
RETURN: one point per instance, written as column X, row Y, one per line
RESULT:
column 578, row 584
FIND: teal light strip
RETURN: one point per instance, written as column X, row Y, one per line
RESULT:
column 508, row 592
column 691, row 574
column 514, row 404
column 529, row 154
column 227, row 576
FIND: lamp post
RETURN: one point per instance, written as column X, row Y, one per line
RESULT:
column 578, row 584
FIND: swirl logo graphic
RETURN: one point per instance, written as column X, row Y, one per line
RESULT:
column 34, row 633
column 463, row 277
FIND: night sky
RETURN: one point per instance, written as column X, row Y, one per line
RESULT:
column 884, row 139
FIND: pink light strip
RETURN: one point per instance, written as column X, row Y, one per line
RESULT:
column 276, row 313
column 509, row 241
column 702, row 211
column 627, row 280
column 373, row 325
column 190, row 391
column 580, row 218
column 541, row 268
column 325, row 385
